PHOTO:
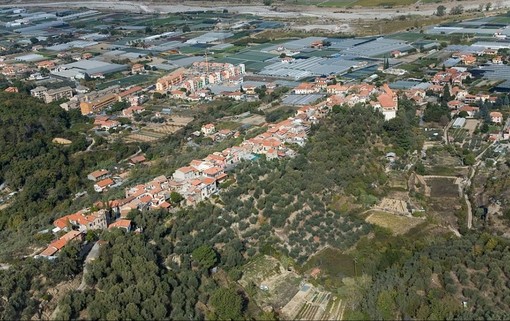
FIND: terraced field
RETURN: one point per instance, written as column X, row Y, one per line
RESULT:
column 312, row 304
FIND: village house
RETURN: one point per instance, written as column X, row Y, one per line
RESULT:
column 47, row 64
column 137, row 68
column 57, row 245
column 337, row 89
column 235, row 95
column 83, row 220
column 185, row 173
column 178, row 94
column 98, row 175
column 496, row 117
column 131, row 111
column 208, row 129
column 11, row 90
column 103, row 185
column 468, row 59
column 249, row 89
column 122, row 223
column 305, row 88
column 498, row 60
column 470, row 110
column 139, row 159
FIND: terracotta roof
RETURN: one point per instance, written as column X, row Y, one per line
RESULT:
column 146, row 199
column 165, row 205
column 130, row 91
column 213, row 171
column 208, row 180
column 138, row 159
column 105, row 183
column 186, row 169
column 121, row 223
column 98, row 173
column 386, row 101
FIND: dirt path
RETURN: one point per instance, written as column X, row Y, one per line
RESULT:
column 468, row 184
column 129, row 157
column 91, row 145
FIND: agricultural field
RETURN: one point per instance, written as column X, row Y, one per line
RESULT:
column 274, row 284
column 397, row 224
column 441, row 157
column 476, row 144
column 312, row 304
column 458, row 135
column 443, row 187
column 153, row 132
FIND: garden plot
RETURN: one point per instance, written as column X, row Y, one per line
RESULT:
column 312, row 304
column 459, row 135
column 153, row 132
column 441, row 187
column 393, row 206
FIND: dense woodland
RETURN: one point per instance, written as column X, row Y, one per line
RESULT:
column 434, row 283
column 45, row 174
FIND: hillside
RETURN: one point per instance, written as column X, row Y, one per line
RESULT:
column 42, row 174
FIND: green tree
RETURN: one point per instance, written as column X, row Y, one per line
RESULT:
column 205, row 256
column 176, row 198
column 227, row 304
column 440, row 11
column 469, row 159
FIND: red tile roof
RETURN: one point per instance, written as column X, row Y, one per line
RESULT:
column 124, row 223
column 105, row 183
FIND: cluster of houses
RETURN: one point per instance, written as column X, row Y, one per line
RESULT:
column 381, row 98
column 76, row 225
column 209, row 131
column 199, row 76
column 196, row 182
column 104, row 180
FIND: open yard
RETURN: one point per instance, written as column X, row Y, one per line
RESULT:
column 471, row 125
column 398, row 224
